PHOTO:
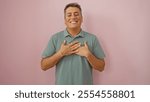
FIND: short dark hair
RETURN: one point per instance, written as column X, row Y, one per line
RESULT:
column 73, row 5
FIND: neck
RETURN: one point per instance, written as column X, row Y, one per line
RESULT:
column 74, row 32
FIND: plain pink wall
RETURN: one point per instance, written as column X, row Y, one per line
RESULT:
column 122, row 26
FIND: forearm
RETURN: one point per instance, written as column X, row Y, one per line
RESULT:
column 96, row 63
column 51, row 61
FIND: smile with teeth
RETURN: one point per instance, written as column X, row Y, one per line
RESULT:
column 73, row 22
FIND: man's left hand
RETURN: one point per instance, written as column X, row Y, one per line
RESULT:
column 83, row 50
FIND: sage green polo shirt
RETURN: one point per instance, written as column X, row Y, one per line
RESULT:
column 73, row 69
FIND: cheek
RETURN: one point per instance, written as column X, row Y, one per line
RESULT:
column 67, row 18
column 81, row 19
column 66, row 22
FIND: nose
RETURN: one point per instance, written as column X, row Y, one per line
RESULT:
column 73, row 16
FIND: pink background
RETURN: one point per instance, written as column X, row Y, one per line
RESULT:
column 122, row 26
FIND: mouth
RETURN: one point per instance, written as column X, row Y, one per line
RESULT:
column 74, row 22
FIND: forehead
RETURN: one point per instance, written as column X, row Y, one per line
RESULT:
column 72, row 9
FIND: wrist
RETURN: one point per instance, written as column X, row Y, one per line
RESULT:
column 60, row 54
column 88, row 55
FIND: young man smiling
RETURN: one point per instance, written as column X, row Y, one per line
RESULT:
column 73, row 51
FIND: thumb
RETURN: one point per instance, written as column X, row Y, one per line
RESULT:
column 64, row 43
column 85, row 44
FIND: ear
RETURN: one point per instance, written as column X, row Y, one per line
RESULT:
column 82, row 19
column 65, row 21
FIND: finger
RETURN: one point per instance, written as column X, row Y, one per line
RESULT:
column 77, row 45
column 75, row 51
column 85, row 44
column 64, row 43
column 73, row 43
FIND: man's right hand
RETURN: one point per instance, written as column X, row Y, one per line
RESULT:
column 68, row 49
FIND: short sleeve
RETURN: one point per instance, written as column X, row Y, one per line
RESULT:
column 50, row 49
column 97, row 49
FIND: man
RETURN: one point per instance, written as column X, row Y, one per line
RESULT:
column 73, row 51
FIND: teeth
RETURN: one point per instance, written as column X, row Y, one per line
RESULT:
column 73, row 22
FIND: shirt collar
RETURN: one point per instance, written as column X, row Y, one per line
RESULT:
column 66, row 33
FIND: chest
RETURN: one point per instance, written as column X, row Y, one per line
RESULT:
column 81, row 40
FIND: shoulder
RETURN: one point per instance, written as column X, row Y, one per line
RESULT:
column 89, row 35
column 54, row 38
column 58, row 35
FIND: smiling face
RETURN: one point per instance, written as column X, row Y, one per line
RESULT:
column 73, row 18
